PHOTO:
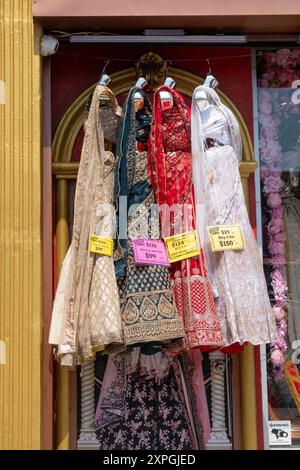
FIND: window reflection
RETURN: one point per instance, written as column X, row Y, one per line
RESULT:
column 279, row 136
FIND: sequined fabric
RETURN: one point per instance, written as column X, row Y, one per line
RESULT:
column 244, row 307
column 148, row 306
column 170, row 170
column 86, row 313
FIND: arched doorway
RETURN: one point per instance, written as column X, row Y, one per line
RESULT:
column 65, row 170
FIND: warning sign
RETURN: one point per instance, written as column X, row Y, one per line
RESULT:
column 280, row 433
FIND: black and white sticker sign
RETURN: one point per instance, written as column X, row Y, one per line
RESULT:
column 280, row 433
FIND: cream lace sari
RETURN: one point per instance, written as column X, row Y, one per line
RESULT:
column 86, row 312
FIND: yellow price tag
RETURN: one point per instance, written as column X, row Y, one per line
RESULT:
column 182, row 246
column 226, row 237
column 101, row 246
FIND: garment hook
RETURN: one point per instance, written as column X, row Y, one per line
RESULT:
column 105, row 79
column 166, row 62
column 209, row 69
column 105, row 65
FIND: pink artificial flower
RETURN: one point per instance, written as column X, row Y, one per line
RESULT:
column 275, row 226
column 273, row 184
column 276, row 248
column 268, row 133
column 279, row 313
column 278, row 260
column 281, row 343
column 282, row 304
column 265, row 107
column 277, row 276
column 285, row 78
column 269, row 75
column 277, row 358
column 264, row 95
column 283, row 325
column 274, row 200
column 271, row 152
column 279, row 296
column 283, row 57
column 275, row 169
column 278, row 212
column 279, row 285
column 263, row 83
column 267, row 121
column 280, row 237
column 271, row 58
column 264, row 171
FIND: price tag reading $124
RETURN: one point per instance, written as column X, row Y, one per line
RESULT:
column 182, row 246
column 226, row 237
column 101, row 245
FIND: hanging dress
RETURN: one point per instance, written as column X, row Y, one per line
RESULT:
column 148, row 307
column 86, row 312
column 242, row 298
column 170, row 167
column 146, row 406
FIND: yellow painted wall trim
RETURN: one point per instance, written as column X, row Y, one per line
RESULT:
column 20, row 219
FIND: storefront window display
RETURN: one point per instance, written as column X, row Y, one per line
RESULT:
column 279, row 153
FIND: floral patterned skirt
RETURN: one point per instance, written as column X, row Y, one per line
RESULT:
column 142, row 413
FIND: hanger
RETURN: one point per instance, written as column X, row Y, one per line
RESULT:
column 210, row 81
column 104, row 80
column 166, row 97
column 170, row 82
column 138, row 98
column 141, row 83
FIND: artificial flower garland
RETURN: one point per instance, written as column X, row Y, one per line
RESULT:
column 280, row 69
column 270, row 154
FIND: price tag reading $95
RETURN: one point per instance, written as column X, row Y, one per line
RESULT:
column 101, row 245
column 226, row 237
column 182, row 246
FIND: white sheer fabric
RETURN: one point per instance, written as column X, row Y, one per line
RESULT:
column 237, row 276
column 215, row 125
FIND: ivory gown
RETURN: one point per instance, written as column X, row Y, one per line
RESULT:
column 243, row 302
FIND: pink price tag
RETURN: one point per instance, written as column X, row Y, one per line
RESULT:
column 150, row 252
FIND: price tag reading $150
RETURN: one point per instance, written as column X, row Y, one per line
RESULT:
column 101, row 245
column 226, row 237
column 182, row 246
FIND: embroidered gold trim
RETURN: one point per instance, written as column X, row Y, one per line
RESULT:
column 162, row 330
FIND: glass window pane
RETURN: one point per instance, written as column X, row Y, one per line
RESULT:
column 279, row 144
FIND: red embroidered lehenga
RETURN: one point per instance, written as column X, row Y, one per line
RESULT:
column 170, row 168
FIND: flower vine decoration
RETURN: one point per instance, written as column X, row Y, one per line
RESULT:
column 277, row 70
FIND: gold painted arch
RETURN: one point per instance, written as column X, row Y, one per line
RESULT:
column 122, row 81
